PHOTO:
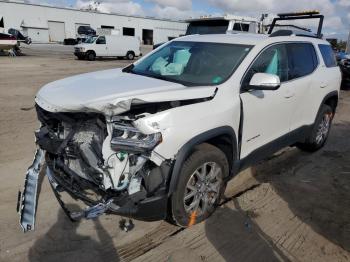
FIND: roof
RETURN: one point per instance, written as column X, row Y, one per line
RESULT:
column 248, row 39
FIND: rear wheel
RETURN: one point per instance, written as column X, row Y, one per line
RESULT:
column 130, row 55
column 200, row 186
column 320, row 131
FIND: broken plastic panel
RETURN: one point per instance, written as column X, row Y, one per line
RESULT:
column 28, row 199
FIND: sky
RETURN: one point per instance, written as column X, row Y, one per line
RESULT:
column 337, row 12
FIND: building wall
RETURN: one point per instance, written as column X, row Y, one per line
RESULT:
column 34, row 16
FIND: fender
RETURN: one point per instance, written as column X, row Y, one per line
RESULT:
column 329, row 95
column 186, row 150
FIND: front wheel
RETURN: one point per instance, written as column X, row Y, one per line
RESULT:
column 91, row 56
column 320, row 131
column 200, row 186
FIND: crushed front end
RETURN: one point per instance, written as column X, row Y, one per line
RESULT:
column 102, row 161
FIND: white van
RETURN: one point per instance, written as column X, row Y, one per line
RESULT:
column 108, row 46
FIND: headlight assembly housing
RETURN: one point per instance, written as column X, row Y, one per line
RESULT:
column 130, row 139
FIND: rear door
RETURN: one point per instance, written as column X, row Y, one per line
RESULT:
column 266, row 114
column 303, row 79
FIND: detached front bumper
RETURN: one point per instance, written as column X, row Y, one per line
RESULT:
column 27, row 200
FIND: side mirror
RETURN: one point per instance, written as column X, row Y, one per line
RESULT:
column 263, row 81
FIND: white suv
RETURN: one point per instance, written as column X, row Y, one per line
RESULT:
column 160, row 138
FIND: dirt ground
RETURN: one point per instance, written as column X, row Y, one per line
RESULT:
column 293, row 207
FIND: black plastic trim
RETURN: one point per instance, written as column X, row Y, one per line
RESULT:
column 329, row 95
column 149, row 209
column 298, row 135
column 186, row 150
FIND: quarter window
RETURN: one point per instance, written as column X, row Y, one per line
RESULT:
column 302, row 59
column 273, row 60
column 328, row 55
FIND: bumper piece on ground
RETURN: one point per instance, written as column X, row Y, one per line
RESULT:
column 27, row 200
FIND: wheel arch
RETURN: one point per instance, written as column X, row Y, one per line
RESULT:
column 90, row 51
column 332, row 100
column 223, row 138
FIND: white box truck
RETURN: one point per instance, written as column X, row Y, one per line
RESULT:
column 108, row 46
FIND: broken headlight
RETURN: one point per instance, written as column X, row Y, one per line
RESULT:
column 130, row 139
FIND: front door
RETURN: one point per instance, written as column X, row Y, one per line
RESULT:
column 266, row 114
column 101, row 46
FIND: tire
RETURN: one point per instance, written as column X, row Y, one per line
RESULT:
column 130, row 55
column 205, row 158
column 320, row 130
column 91, row 56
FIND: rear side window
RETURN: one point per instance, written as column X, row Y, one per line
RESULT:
column 328, row 55
column 302, row 59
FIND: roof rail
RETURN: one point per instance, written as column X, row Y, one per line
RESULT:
column 299, row 16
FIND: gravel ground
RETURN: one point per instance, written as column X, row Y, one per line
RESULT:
column 293, row 207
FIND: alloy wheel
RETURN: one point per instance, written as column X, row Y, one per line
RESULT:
column 323, row 128
column 203, row 188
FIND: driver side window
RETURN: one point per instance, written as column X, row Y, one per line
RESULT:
column 101, row 40
column 273, row 60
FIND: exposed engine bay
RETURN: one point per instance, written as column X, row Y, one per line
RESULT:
column 103, row 162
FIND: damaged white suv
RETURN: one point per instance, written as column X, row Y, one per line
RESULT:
column 160, row 138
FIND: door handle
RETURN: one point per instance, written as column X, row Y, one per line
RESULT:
column 288, row 94
column 323, row 85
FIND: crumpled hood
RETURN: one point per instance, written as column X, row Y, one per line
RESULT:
column 112, row 92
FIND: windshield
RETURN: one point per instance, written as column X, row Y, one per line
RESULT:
column 207, row 27
column 90, row 40
column 193, row 63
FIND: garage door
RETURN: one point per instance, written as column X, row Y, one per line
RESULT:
column 56, row 31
